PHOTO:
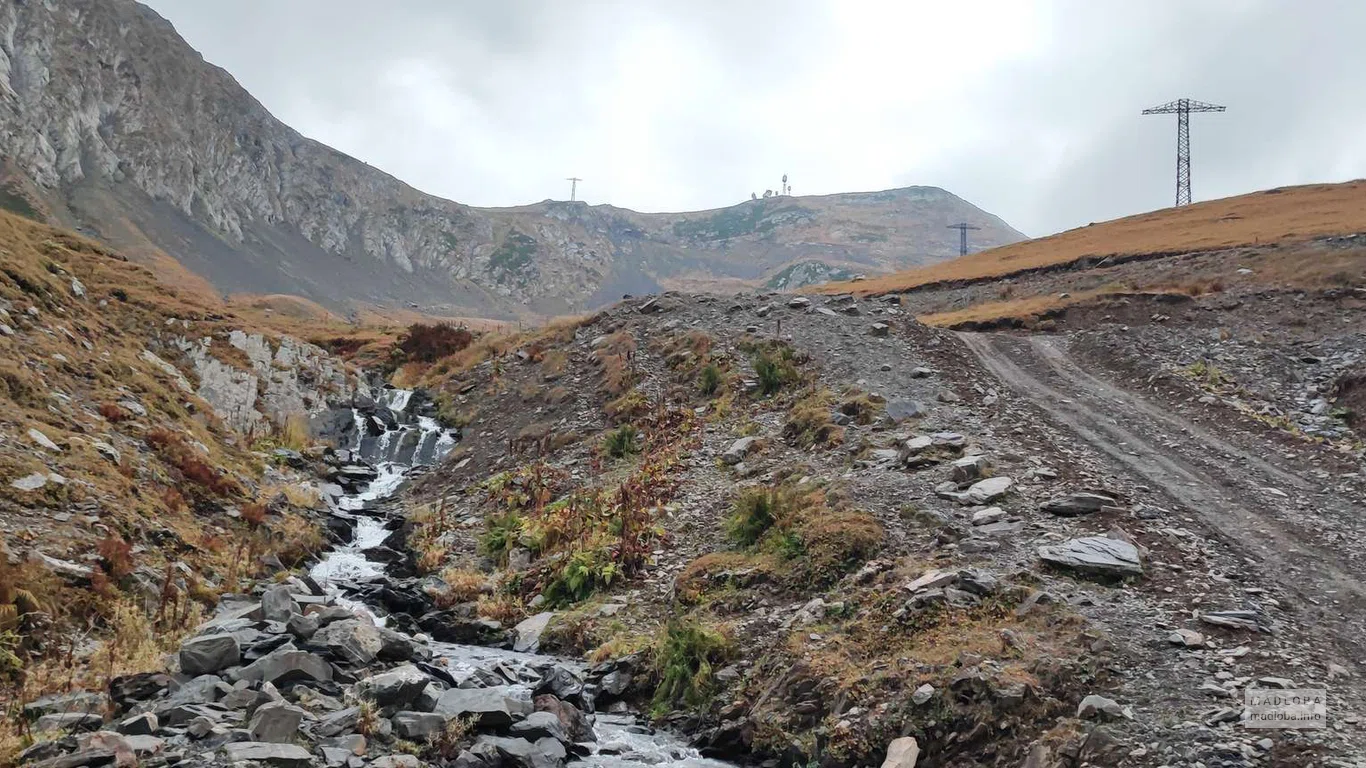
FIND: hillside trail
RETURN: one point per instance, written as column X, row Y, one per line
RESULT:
column 1289, row 528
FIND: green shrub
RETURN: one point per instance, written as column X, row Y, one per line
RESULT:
column 709, row 380
column 621, row 442
column 752, row 514
column 770, row 378
column 686, row 653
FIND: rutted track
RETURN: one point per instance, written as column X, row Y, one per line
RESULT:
column 1264, row 512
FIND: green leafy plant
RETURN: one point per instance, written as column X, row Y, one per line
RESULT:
column 500, row 535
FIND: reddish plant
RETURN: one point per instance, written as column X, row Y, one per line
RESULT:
column 425, row 343
column 112, row 412
column 117, row 555
column 254, row 514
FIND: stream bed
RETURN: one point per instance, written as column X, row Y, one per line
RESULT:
column 408, row 441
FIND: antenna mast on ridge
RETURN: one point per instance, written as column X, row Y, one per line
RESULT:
column 573, row 187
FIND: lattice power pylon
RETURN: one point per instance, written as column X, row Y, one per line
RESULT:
column 962, row 228
column 1183, row 108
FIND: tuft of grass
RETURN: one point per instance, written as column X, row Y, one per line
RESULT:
column 751, row 516
column 685, row 656
column 621, row 442
column 294, row 432
column 504, row 609
column 630, row 406
column 462, row 586
column 808, row 421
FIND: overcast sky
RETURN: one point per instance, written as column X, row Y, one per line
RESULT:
column 1030, row 110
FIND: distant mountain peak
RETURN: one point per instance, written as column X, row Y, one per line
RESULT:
column 162, row 153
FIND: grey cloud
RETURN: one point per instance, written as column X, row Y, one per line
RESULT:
column 679, row 105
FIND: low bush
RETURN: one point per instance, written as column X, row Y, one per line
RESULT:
column 428, row 343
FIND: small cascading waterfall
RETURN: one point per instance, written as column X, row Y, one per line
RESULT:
column 393, row 435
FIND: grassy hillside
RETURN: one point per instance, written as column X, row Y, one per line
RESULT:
column 1288, row 214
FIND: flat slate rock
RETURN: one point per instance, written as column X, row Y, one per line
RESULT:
column 282, row 755
column 1095, row 555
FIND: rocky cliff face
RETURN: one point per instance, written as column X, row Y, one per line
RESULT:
column 277, row 379
column 110, row 122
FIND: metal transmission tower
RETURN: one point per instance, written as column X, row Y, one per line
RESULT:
column 962, row 228
column 1183, row 108
column 573, row 187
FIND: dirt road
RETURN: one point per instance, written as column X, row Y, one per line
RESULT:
column 1289, row 526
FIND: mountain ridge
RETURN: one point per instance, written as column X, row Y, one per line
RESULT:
column 114, row 125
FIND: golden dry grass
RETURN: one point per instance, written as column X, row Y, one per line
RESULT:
column 1289, row 214
column 1021, row 308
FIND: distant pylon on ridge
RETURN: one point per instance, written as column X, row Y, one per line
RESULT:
column 1183, row 108
column 962, row 228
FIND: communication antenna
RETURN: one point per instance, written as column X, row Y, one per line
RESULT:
column 573, row 187
column 962, row 228
column 1183, row 108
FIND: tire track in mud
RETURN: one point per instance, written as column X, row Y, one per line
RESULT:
column 1227, row 488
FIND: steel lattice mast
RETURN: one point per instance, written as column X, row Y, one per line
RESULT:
column 1183, row 108
column 962, row 228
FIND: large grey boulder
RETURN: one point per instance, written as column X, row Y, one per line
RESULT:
column 275, row 722
column 207, row 654
column 1075, row 504
column 287, row 665
column 70, row 721
column 494, row 707
column 396, row 689
column 986, row 491
column 355, row 641
column 529, row 632
column 337, row 723
column 902, row 753
column 539, row 725
column 277, row 603
column 968, row 468
column 1095, row 555
column 78, row 701
column 279, row 755
column 738, row 450
column 419, row 726
column 572, row 721
column 546, row 753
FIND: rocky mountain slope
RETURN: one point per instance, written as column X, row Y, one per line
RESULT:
column 112, row 124
column 786, row 529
